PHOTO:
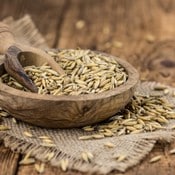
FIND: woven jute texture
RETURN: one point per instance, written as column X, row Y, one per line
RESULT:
column 67, row 145
column 134, row 146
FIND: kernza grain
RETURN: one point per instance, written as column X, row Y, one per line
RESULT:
column 86, row 72
column 142, row 114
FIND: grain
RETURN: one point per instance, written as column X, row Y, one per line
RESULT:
column 137, row 131
column 172, row 151
column 117, row 44
column 4, row 128
column 27, row 161
column 87, row 156
column 142, row 114
column 49, row 156
column 109, row 145
column 40, row 168
column 166, row 91
column 44, row 137
column 88, row 128
column 85, row 137
column 48, row 144
column 150, row 38
column 28, row 134
column 28, row 154
column 4, row 114
column 80, row 24
column 14, row 120
column 47, row 140
column 159, row 87
column 108, row 134
column 64, row 164
column 89, row 72
column 155, row 159
column 97, row 136
column 120, row 158
column 84, row 70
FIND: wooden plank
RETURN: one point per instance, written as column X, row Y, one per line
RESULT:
column 158, row 168
column 8, row 161
column 45, row 14
column 158, row 62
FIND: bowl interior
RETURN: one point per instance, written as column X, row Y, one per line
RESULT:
column 28, row 59
column 66, row 111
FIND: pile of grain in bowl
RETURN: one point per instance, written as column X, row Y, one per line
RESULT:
column 85, row 72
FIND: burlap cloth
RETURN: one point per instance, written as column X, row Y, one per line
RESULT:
column 135, row 146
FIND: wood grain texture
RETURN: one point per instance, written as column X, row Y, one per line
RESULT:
column 8, row 161
column 68, row 111
column 127, row 21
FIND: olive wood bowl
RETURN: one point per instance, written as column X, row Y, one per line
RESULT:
column 67, row 111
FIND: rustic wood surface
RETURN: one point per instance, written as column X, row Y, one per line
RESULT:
column 140, row 31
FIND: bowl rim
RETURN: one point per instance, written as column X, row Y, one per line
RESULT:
column 133, row 79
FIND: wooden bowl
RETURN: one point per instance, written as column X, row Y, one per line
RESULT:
column 67, row 111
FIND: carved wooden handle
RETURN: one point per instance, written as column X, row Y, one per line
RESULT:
column 11, row 63
column 6, row 38
column 14, row 68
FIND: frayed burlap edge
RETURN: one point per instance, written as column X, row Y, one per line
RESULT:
column 39, row 152
column 146, row 142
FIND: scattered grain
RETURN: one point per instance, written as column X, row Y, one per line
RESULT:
column 85, row 137
column 28, row 134
column 27, row 161
column 117, row 44
column 150, row 38
column 40, row 168
column 87, row 156
column 109, row 145
column 49, row 156
column 48, row 144
column 120, row 158
column 64, row 164
column 88, row 128
column 155, row 159
column 98, row 136
column 159, row 87
column 172, row 151
column 80, row 24
column 14, row 120
column 4, row 128
column 166, row 91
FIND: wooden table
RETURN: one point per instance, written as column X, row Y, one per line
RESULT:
column 140, row 31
